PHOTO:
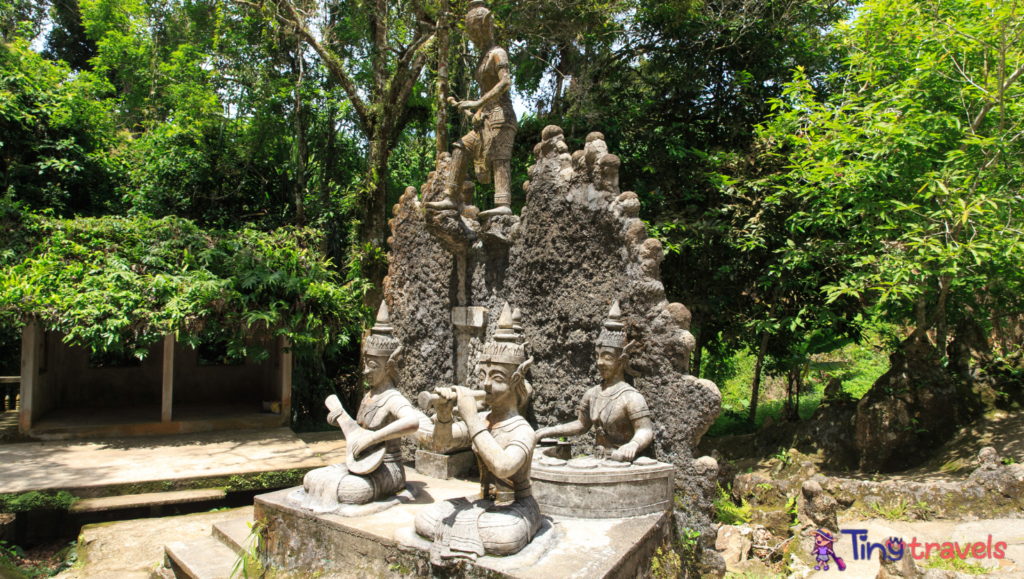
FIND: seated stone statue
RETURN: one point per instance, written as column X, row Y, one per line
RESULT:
column 615, row 409
column 387, row 416
column 506, row 517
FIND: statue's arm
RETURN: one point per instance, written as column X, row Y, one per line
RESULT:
column 643, row 434
column 503, row 462
column 407, row 423
column 500, row 58
column 579, row 426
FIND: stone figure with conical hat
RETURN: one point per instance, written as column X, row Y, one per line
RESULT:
column 506, row 517
column 489, row 144
column 615, row 409
column 384, row 417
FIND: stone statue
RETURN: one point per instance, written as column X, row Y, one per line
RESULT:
column 615, row 408
column 384, row 417
column 506, row 517
column 489, row 144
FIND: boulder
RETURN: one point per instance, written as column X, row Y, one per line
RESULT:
column 909, row 411
column 733, row 544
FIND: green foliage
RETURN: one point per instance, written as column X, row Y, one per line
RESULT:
column 897, row 510
column 727, row 512
column 121, row 284
column 957, row 565
column 249, row 563
column 915, row 161
column 266, row 480
column 35, row 500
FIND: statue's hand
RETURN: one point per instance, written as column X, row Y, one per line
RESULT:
column 545, row 432
column 361, row 444
column 625, row 453
column 467, row 402
column 444, row 404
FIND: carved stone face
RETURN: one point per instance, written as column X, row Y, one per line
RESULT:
column 496, row 380
column 609, row 361
column 479, row 30
column 375, row 370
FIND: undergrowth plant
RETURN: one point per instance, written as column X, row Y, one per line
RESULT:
column 729, row 513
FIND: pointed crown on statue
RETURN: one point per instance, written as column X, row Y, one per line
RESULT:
column 381, row 341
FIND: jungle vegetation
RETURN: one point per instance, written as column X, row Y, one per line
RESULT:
column 816, row 169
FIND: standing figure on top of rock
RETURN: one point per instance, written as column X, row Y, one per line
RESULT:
column 385, row 415
column 615, row 408
column 506, row 517
column 489, row 144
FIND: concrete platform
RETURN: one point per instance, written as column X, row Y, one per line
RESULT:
column 68, row 424
column 122, row 466
column 146, row 500
column 300, row 542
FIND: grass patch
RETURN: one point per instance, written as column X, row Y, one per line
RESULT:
column 895, row 511
column 957, row 564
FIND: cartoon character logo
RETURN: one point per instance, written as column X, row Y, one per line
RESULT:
column 823, row 541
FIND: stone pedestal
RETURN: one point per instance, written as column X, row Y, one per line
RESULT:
column 380, row 545
column 589, row 488
column 445, row 466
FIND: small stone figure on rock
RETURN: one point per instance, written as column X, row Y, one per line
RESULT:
column 506, row 517
column 385, row 415
column 489, row 144
column 618, row 412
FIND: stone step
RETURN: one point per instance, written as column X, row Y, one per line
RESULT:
column 202, row 558
column 146, row 500
column 235, row 534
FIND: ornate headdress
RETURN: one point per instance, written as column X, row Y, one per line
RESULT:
column 613, row 334
column 506, row 347
column 381, row 342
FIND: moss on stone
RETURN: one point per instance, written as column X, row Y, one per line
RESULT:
column 35, row 501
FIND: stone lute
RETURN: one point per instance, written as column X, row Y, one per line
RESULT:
column 370, row 458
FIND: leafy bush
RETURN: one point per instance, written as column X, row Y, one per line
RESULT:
column 120, row 284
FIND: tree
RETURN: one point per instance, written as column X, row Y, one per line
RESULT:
column 916, row 162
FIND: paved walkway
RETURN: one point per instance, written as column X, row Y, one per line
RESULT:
column 87, row 466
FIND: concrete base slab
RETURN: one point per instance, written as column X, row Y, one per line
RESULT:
column 445, row 466
column 303, row 543
column 298, row 496
column 113, row 466
column 236, row 534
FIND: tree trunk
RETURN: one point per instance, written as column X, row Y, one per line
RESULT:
column 755, row 386
column 300, row 145
column 442, row 78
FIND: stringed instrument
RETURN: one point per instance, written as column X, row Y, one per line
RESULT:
column 371, row 457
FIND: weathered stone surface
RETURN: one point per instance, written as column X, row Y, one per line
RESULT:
column 576, row 248
column 445, row 466
column 908, row 412
column 733, row 545
column 609, row 490
column 816, row 507
column 306, row 544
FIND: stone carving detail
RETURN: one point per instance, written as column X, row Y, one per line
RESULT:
column 506, row 517
column 373, row 470
column 489, row 144
column 615, row 409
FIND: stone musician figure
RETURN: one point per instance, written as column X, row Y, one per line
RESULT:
column 489, row 144
column 615, row 408
column 506, row 517
column 386, row 414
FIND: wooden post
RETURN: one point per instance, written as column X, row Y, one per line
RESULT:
column 285, row 380
column 30, row 351
column 168, row 379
